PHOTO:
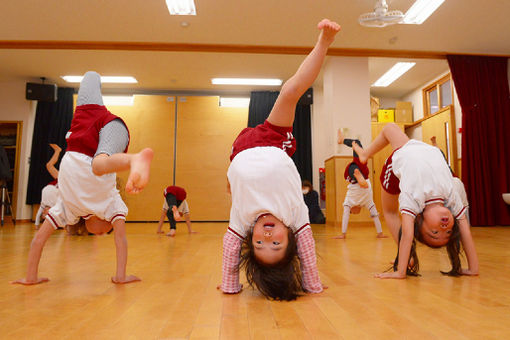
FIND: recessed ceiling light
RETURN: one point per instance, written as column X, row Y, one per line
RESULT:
column 234, row 102
column 246, row 81
column 393, row 74
column 181, row 7
column 118, row 100
column 106, row 79
column 420, row 11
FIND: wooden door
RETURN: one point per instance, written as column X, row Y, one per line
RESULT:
column 442, row 126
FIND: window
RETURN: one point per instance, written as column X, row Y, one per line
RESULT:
column 437, row 95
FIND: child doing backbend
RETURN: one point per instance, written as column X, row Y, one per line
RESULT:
column 416, row 178
column 359, row 190
column 268, row 214
column 175, row 206
column 97, row 145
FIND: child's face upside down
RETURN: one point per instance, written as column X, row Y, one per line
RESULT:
column 437, row 225
column 270, row 239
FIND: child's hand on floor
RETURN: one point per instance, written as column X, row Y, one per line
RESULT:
column 391, row 275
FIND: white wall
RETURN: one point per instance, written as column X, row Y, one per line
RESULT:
column 14, row 107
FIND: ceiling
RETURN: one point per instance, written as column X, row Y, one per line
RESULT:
column 267, row 31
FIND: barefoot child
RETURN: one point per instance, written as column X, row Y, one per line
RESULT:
column 49, row 193
column 417, row 181
column 359, row 191
column 97, row 142
column 268, row 213
column 174, row 207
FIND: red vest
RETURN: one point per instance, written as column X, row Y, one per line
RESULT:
column 363, row 168
column 88, row 120
column 178, row 192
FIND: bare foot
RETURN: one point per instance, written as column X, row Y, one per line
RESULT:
column 160, row 232
column 140, row 170
column 329, row 30
column 342, row 237
column 360, row 151
column 340, row 139
column 127, row 279
column 193, row 232
column 171, row 233
column 177, row 214
column 381, row 235
column 30, row 283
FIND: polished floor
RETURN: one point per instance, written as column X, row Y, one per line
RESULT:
column 177, row 298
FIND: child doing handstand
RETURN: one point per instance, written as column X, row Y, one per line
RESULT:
column 174, row 207
column 359, row 190
column 416, row 178
column 97, row 145
column 268, row 215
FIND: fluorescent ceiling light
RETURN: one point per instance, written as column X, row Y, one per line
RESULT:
column 234, row 102
column 420, row 11
column 393, row 74
column 181, row 7
column 107, row 79
column 118, row 100
column 246, row 81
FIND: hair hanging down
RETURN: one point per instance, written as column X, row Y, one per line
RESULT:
column 281, row 281
column 452, row 248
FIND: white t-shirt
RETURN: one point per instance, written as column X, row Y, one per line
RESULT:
column 424, row 179
column 265, row 180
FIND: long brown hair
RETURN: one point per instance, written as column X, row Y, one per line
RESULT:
column 280, row 281
column 453, row 249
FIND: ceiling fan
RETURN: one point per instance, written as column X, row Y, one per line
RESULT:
column 381, row 16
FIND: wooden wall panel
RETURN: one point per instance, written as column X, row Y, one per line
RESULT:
column 151, row 124
column 205, row 133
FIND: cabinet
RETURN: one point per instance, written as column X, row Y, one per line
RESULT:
column 10, row 139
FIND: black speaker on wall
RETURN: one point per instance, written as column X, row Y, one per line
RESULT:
column 41, row 92
column 307, row 98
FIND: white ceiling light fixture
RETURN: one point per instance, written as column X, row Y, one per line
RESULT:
column 181, row 7
column 246, row 81
column 118, row 100
column 420, row 11
column 234, row 102
column 393, row 74
column 106, row 79
column 381, row 16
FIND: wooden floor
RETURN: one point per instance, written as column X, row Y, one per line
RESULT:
column 177, row 298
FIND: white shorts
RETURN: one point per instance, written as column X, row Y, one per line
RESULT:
column 83, row 194
column 183, row 207
column 49, row 196
column 358, row 196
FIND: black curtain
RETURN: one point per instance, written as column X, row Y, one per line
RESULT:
column 52, row 121
column 261, row 103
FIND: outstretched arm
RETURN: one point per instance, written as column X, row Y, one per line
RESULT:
column 119, row 230
column 161, row 221
column 308, row 260
column 34, row 255
column 404, row 249
column 50, row 166
column 283, row 110
column 230, row 268
column 469, row 247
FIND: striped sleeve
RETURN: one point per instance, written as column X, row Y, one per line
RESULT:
column 308, row 260
column 230, row 268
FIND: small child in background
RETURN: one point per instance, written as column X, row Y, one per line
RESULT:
column 417, row 181
column 359, row 191
column 49, row 193
column 311, row 198
column 268, row 217
column 96, row 149
column 174, row 207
